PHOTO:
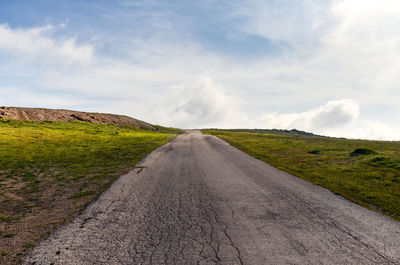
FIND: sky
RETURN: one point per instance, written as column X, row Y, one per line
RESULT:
column 330, row 67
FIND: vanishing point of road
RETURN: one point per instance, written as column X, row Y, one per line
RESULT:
column 198, row 200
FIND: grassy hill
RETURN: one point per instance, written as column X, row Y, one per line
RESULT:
column 366, row 172
column 49, row 172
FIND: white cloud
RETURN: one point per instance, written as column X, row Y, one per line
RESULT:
column 338, row 118
column 362, row 45
column 367, row 129
column 203, row 103
column 374, row 130
column 295, row 22
column 331, row 115
column 37, row 43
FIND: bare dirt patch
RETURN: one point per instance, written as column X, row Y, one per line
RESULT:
column 28, row 217
column 40, row 114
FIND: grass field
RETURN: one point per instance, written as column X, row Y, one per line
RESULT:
column 50, row 171
column 366, row 172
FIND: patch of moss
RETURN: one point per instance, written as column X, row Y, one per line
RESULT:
column 362, row 152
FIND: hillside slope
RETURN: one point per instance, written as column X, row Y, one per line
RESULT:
column 40, row 114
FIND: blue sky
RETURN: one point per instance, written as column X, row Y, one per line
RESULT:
column 326, row 66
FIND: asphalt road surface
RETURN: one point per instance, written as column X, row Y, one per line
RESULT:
column 197, row 200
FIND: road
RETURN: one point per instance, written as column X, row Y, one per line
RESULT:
column 198, row 200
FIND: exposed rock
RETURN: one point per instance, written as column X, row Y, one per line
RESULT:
column 40, row 114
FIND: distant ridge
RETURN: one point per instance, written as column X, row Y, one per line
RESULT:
column 292, row 132
column 61, row 115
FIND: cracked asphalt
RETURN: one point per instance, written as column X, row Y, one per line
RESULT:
column 197, row 200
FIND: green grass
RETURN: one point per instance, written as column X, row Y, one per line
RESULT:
column 6, row 235
column 83, row 194
column 366, row 172
column 29, row 149
column 49, row 172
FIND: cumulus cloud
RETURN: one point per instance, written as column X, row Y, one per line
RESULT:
column 371, row 129
column 37, row 42
column 363, row 42
column 203, row 103
column 334, row 114
column 331, row 115
column 339, row 118
column 367, row 129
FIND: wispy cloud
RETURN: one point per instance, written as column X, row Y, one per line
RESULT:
column 37, row 44
column 292, row 23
